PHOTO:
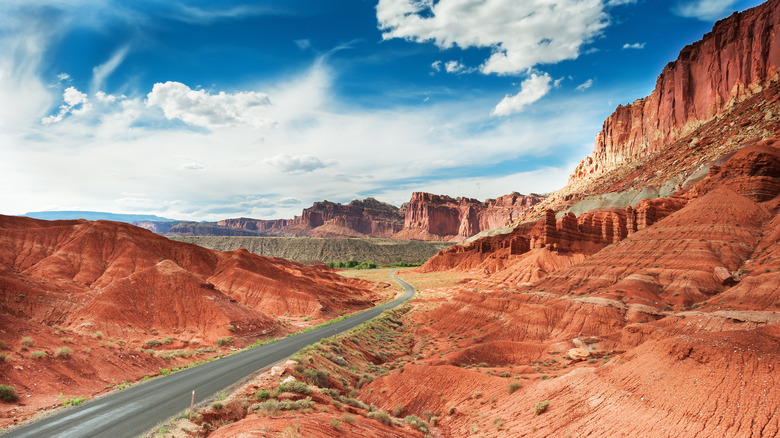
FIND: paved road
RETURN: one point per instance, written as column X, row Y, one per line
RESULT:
column 135, row 410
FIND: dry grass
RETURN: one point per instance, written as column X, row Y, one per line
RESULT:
column 432, row 280
column 420, row 281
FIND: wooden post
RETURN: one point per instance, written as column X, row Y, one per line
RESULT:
column 192, row 404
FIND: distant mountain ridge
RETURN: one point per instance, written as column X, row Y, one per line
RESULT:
column 95, row 216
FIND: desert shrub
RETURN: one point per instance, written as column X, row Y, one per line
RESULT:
column 153, row 343
column 316, row 377
column 224, row 341
column 541, row 407
column 27, row 342
column 398, row 410
column 217, row 405
column 97, row 335
column 498, row 422
column 295, row 387
column 505, row 374
column 263, row 394
column 38, row 354
column 335, row 423
column 348, row 418
column 355, row 403
column 4, row 357
column 274, row 405
column 68, row 340
column 514, row 386
column 63, row 352
column 165, row 371
column 8, row 393
column 2, row 344
column 352, row 263
column 167, row 341
column 382, row 417
column 417, row 423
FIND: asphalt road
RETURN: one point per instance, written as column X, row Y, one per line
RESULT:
column 135, row 410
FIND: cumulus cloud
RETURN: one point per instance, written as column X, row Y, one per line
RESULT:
column 454, row 67
column 634, row 46
column 76, row 103
column 199, row 108
column 295, row 165
column 521, row 35
column 585, row 85
column 704, row 10
column 531, row 90
column 436, row 65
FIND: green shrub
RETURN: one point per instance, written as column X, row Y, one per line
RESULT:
column 224, row 341
column 263, row 394
column 381, row 416
column 335, row 423
column 165, row 371
column 27, row 342
column 153, row 343
column 514, row 386
column 167, row 341
column 294, row 387
column 63, row 352
column 348, row 418
column 316, row 377
column 541, row 407
column 217, row 405
column 8, row 393
column 38, row 354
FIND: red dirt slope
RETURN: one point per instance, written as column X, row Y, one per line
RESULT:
column 119, row 297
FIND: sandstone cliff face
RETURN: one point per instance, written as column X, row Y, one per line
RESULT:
column 436, row 217
column 737, row 59
column 425, row 217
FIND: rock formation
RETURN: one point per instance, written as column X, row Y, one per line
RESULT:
column 739, row 58
column 424, row 217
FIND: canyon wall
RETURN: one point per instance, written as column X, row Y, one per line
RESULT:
column 425, row 217
column 737, row 59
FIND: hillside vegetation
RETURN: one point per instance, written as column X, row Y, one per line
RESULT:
column 324, row 250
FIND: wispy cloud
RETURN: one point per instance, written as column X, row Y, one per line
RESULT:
column 102, row 71
column 295, row 165
column 636, row 46
column 531, row 90
column 585, row 85
column 704, row 10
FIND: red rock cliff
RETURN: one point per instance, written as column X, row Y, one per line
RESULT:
column 736, row 60
column 436, row 217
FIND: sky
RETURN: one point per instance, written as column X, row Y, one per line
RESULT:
column 205, row 110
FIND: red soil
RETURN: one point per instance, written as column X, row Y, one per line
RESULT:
column 103, row 289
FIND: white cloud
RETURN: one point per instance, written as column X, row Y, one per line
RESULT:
column 634, row 46
column 436, row 65
column 102, row 71
column 521, row 35
column 454, row 67
column 192, row 166
column 704, row 10
column 531, row 90
column 303, row 44
column 199, row 108
column 585, row 85
column 62, row 77
column 76, row 103
column 295, row 165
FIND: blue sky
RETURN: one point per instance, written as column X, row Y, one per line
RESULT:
column 204, row 110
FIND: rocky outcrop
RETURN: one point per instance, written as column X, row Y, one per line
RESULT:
column 425, row 217
column 737, row 59
column 437, row 217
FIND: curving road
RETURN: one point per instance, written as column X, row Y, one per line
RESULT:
column 135, row 410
